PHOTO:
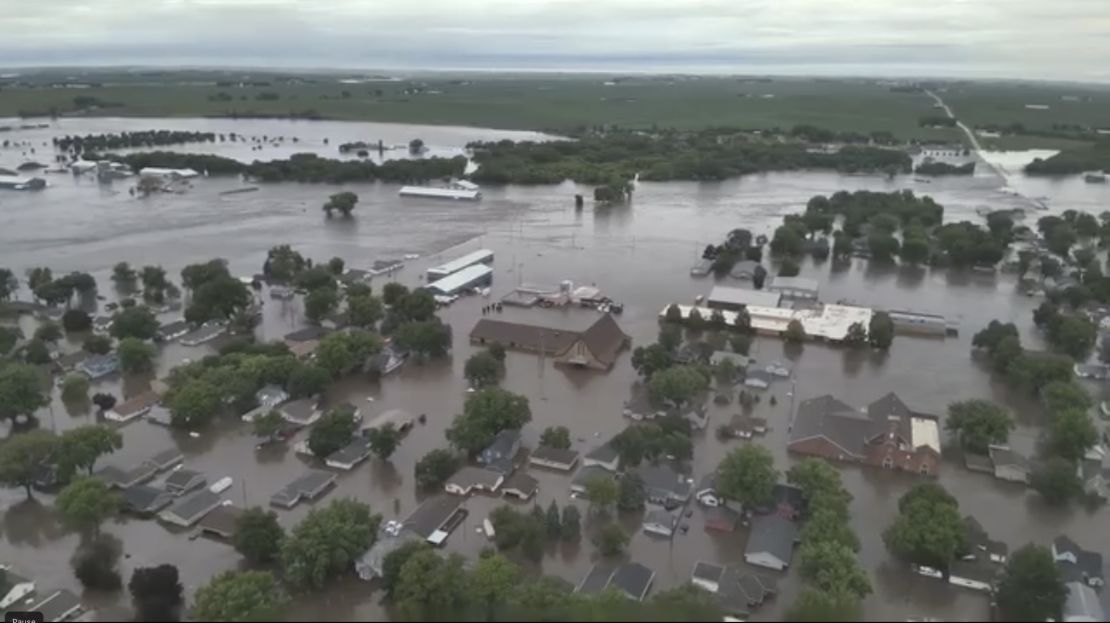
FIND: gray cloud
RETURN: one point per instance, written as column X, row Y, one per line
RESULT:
column 1006, row 38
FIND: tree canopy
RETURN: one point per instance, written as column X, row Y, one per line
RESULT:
column 978, row 424
column 328, row 541
column 435, row 467
column 677, row 385
column 240, row 596
column 555, row 437
column 22, row 455
column 86, row 502
column 335, row 429
column 747, row 475
column 258, row 535
column 1031, row 588
column 928, row 530
column 156, row 592
column 486, row 413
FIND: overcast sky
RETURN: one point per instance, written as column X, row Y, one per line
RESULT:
column 1053, row 39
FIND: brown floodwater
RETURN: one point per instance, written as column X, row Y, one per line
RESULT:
column 639, row 255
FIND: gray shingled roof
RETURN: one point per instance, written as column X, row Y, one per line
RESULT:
column 432, row 513
column 828, row 417
column 707, row 571
column 633, row 579
column 555, row 455
column 146, row 499
column 184, row 480
column 662, row 479
column 194, row 505
column 774, row 535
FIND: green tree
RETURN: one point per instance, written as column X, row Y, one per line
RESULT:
column 647, row 360
column 194, row 405
column 747, row 475
column 740, row 343
column 9, row 283
column 37, row 353
column 1074, row 336
column 86, row 502
column 395, row 560
column 552, row 522
column 96, row 563
column 38, row 277
column 258, row 535
column 156, row 592
column 684, row 603
column 556, row 437
column 218, row 299
column 915, row 249
column 384, row 440
column 307, row 380
column 435, row 467
column 482, row 369
column 491, row 583
column 327, row 542
column 602, row 492
column 283, row 263
column 240, row 596
column 268, row 424
column 393, row 292
column 432, row 588
column 880, row 331
column 832, row 567
column 611, row 539
column 135, row 356
column 789, row 268
column 136, row 322
column 486, row 413
column 572, row 523
column 75, row 388
column 1072, row 433
column 48, row 331
column 344, row 202
column 795, row 333
column 856, row 336
column 8, row 338
column 1066, row 395
column 123, row 275
column 334, row 430
column 677, row 385
column 316, row 278
column 418, row 306
column 79, row 448
column 336, row 265
column 818, row 605
column 821, row 485
column 631, row 496
column 341, row 352
column 1031, row 588
column 76, row 321
column 827, row 525
column 98, row 344
column 673, row 314
column 364, row 311
column 978, row 424
column 426, row 338
column 23, row 390
column 928, row 529
column 1056, row 480
column 883, row 246
column 194, row 276
column 670, row 337
column 319, row 303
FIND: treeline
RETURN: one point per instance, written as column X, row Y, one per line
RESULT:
column 937, row 121
column 148, row 138
column 943, row 168
column 670, row 155
column 308, row 168
column 1072, row 161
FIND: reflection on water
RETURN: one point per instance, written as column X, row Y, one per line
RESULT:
column 639, row 255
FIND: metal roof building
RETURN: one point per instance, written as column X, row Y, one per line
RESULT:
column 481, row 256
column 722, row 297
column 469, row 277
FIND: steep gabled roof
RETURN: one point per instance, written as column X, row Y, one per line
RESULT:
column 829, row 418
column 605, row 339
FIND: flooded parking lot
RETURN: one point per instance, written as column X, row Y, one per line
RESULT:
column 639, row 255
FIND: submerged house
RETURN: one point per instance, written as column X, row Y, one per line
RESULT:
column 886, row 434
column 596, row 348
column 771, row 542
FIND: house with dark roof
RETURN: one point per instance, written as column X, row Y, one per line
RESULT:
column 886, row 434
column 585, row 475
column 596, row 579
column 132, row 408
column 309, row 486
column 189, row 509
column 787, row 501
column 99, row 366
column 303, row 412
column 60, row 605
column 632, row 579
column 771, row 542
column 663, row 485
column 350, row 455
column 746, row 426
column 756, row 377
column 165, row 459
column 721, row 519
column 978, row 575
column 981, row 546
column 738, row 591
column 554, row 458
column 145, row 499
column 1082, row 604
column 470, row 478
column 433, row 516
column 521, row 486
column 597, row 347
column 204, row 333
column 71, row 361
column 707, row 575
column 13, row 587
column 1008, row 464
column 605, row 456
column 182, row 481
column 221, row 522
column 661, row 522
column 1077, row 564
column 123, row 478
column 504, row 447
column 172, row 331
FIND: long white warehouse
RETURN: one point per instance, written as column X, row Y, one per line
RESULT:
column 481, row 256
column 827, row 322
column 431, row 192
column 469, row 277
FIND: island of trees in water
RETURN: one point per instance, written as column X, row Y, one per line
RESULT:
column 1094, row 157
column 124, row 140
column 944, row 168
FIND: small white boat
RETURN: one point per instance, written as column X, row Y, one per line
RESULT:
column 487, row 527
column 221, row 485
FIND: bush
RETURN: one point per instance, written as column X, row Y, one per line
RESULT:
column 95, row 563
column 76, row 321
column 75, row 388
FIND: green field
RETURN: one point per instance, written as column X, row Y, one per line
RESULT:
column 558, row 103
column 1004, row 103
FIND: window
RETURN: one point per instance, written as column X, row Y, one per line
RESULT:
column 888, row 462
column 924, row 469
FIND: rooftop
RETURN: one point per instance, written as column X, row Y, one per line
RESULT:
column 826, row 321
column 146, row 499
column 58, row 606
column 743, row 296
column 222, row 521
column 523, row 483
column 555, row 455
column 194, row 505
column 707, row 571
column 459, row 263
column 432, row 513
column 794, row 283
column 633, row 579
column 774, row 535
column 470, row 476
column 461, row 279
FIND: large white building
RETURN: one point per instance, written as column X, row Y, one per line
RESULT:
column 826, row 322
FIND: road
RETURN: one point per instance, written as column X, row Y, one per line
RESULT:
column 970, row 135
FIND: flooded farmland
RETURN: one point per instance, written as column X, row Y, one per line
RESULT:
column 638, row 254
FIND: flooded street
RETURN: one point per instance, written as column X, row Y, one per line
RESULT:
column 639, row 255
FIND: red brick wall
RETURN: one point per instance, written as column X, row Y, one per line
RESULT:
column 819, row 446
